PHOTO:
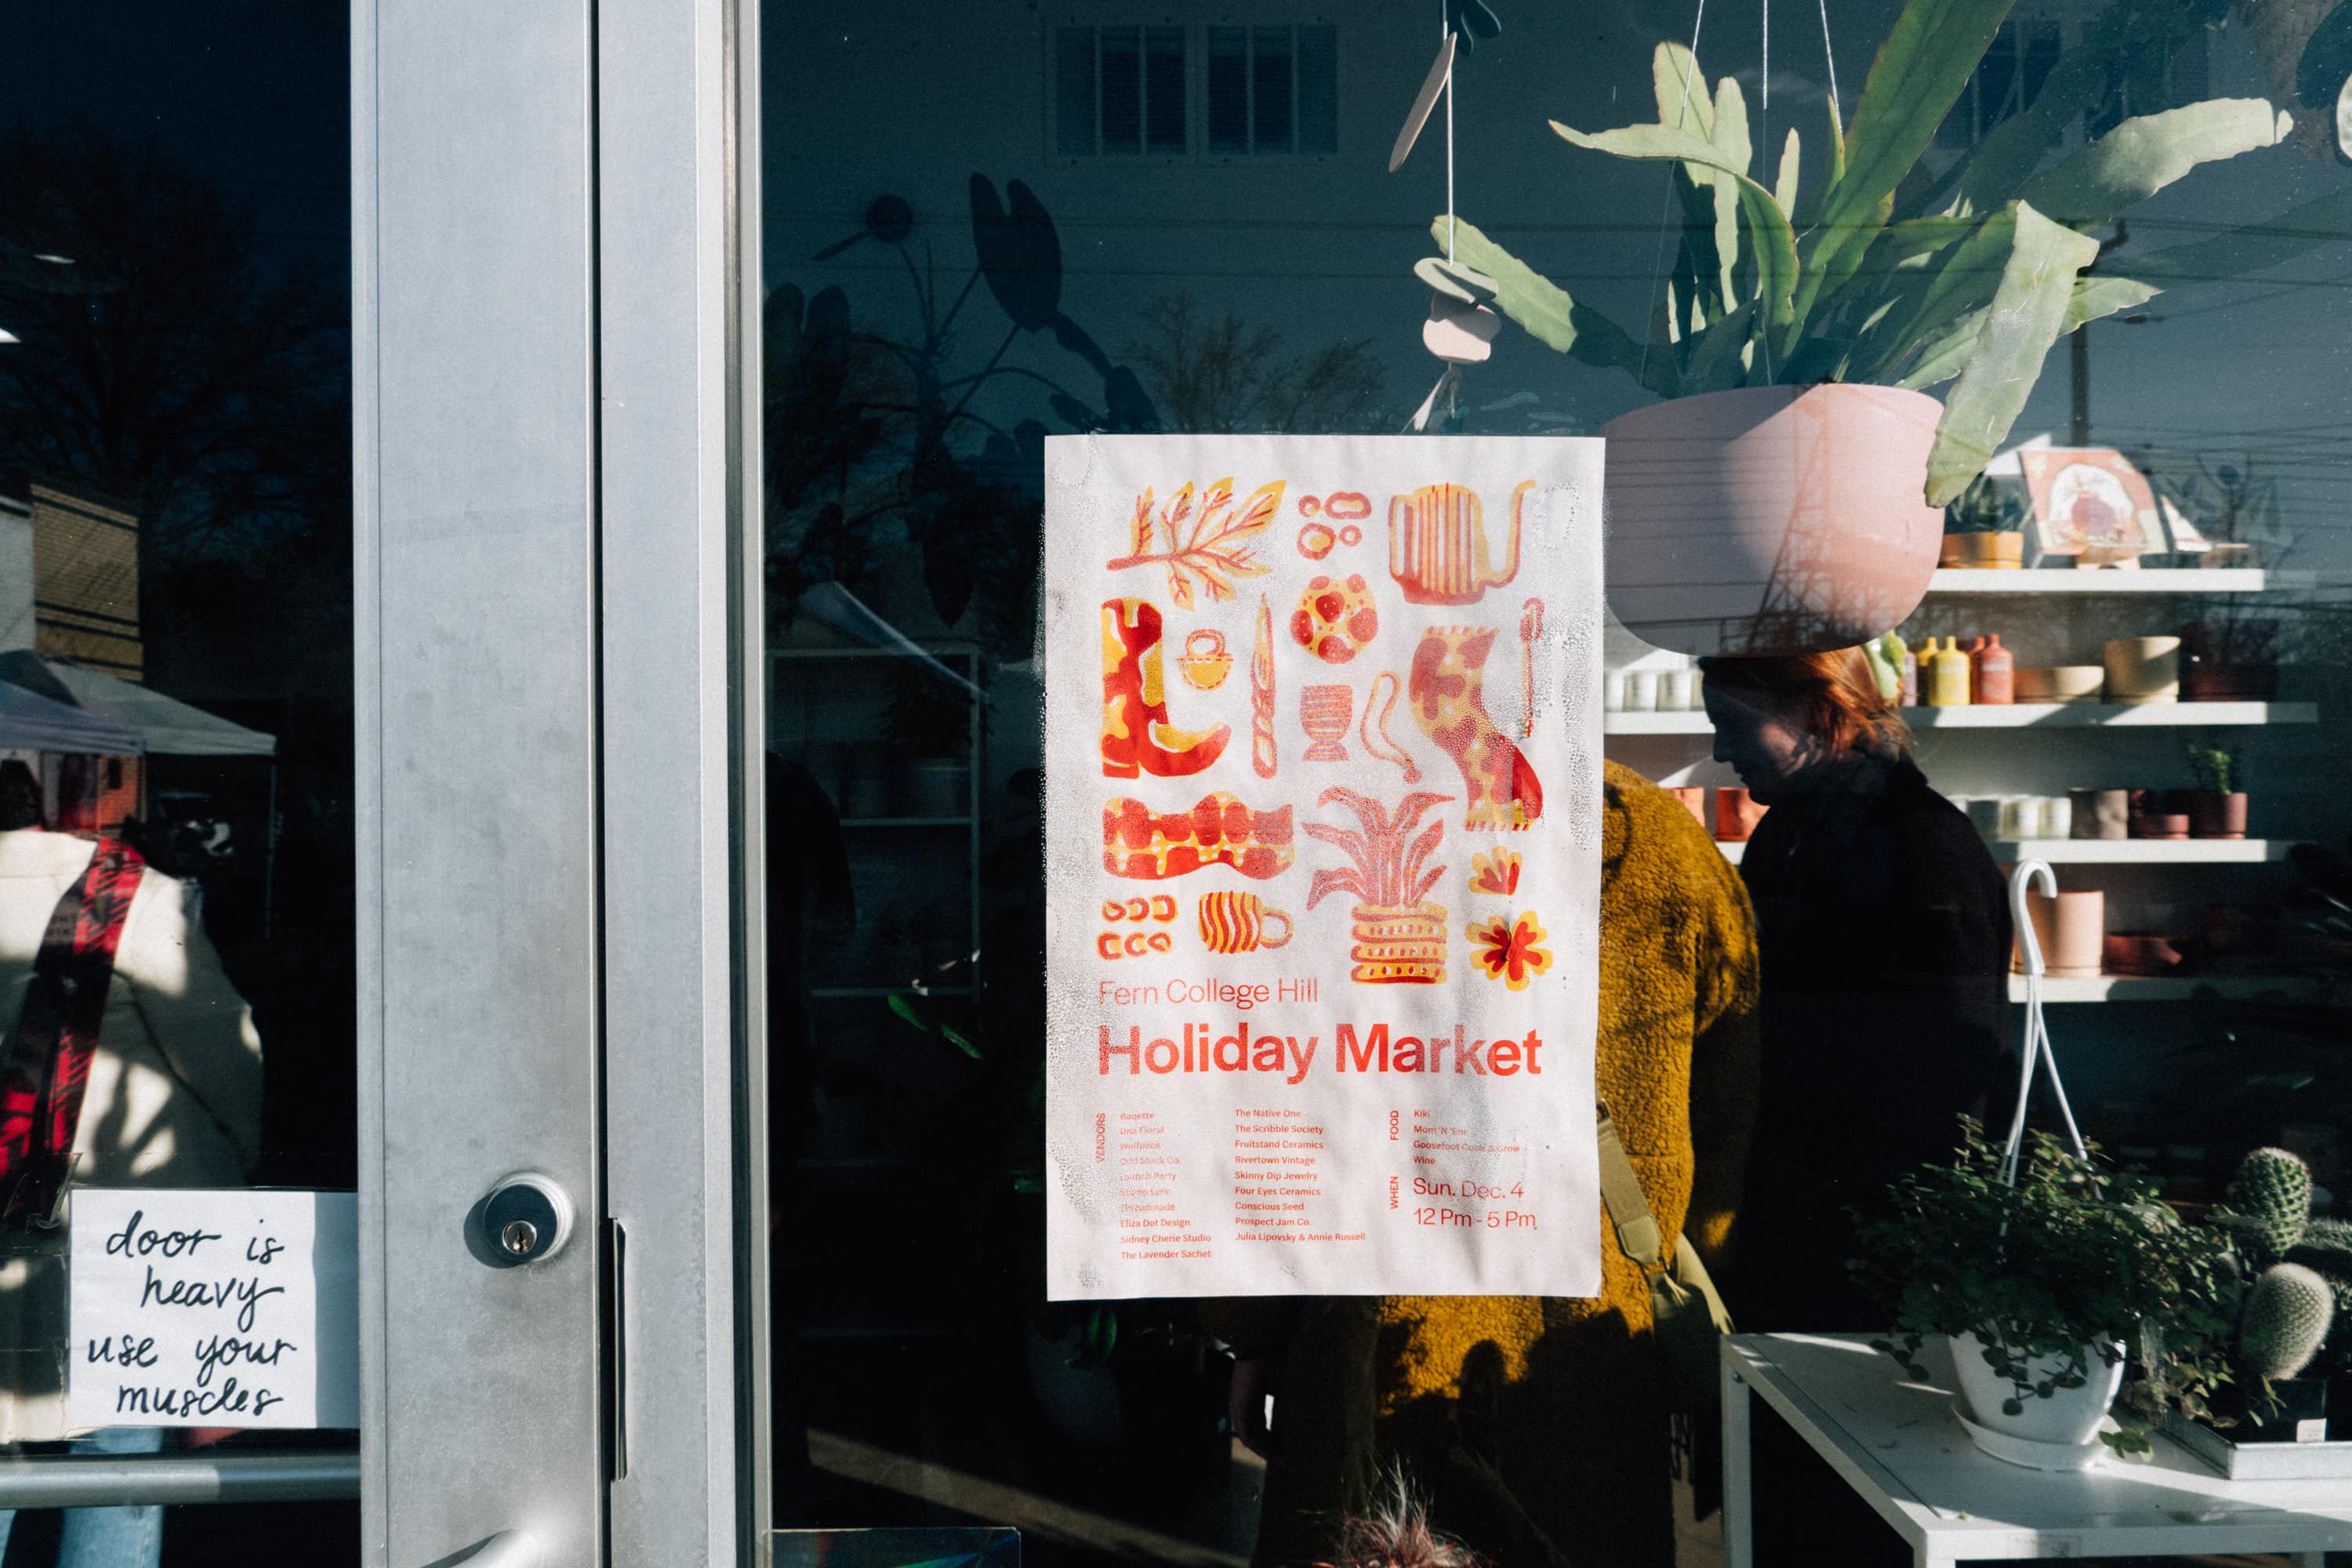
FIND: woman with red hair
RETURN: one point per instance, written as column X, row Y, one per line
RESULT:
column 1883, row 932
column 1883, row 929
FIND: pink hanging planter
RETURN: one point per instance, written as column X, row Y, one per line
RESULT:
column 1771, row 519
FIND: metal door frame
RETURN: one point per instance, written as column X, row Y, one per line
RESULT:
column 557, row 598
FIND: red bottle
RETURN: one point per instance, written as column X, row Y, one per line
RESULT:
column 1975, row 650
column 1994, row 671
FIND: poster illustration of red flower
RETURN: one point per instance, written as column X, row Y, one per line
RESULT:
column 1323, row 752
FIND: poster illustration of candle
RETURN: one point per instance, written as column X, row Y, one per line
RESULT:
column 1322, row 794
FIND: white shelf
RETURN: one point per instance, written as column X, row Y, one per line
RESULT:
column 2067, row 580
column 2142, row 851
column 2164, row 988
column 2022, row 716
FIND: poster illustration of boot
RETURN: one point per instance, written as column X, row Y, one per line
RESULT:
column 1362, row 1062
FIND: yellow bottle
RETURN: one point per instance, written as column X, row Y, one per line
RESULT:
column 1947, row 681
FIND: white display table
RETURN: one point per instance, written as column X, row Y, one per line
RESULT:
column 1896, row 1443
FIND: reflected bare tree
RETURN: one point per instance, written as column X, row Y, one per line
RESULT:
column 1209, row 371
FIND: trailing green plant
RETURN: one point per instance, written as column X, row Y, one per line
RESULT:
column 2216, row 768
column 1882, row 272
column 2078, row 1254
column 2287, row 1315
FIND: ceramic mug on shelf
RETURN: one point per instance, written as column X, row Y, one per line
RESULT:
column 1677, row 691
column 1613, row 691
column 1641, row 690
column 1694, row 799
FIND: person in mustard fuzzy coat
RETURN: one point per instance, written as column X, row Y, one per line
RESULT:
column 1536, row 1427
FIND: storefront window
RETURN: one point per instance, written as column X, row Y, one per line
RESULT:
column 175, row 774
column 2032, row 321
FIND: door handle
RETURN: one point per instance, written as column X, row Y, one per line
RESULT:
column 507, row 1549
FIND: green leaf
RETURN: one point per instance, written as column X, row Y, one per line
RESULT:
column 1784, row 188
column 2101, row 295
column 1917, row 76
column 1552, row 317
column 905, row 1009
column 1810, row 212
column 1929, row 300
column 1731, row 141
column 2143, row 155
column 1723, row 356
column 1684, row 101
column 1770, row 237
column 2027, row 315
column 955, row 1038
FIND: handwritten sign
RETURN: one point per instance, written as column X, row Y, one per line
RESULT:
column 203, row 1308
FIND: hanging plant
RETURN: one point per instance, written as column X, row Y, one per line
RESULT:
column 1880, row 275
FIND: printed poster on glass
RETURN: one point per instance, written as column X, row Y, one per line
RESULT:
column 1323, row 753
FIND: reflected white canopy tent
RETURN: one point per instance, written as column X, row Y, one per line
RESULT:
column 161, row 725
column 30, row 721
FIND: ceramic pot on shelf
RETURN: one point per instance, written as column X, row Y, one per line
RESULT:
column 1694, row 799
column 2213, row 815
column 2143, row 669
column 1714, row 499
column 1737, row 813
column 2072, row 931
column 2002, row 551
column 2101, row 812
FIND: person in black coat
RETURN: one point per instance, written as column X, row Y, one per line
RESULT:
column 1884, row 935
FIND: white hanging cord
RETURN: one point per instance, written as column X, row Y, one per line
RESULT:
column 1829, row 56
column 1764, row 98
column 2034, row 1051
column 1445, row 30
column 1666, row 203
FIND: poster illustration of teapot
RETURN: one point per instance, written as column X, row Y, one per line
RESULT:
column 1326, row 709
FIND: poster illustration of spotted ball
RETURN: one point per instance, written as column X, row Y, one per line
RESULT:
column 1323, row 877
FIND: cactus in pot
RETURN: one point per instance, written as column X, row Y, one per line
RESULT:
column 2271, row 1196
column 2288, row 1316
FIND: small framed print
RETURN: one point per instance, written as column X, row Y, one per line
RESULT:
column 2091, row 502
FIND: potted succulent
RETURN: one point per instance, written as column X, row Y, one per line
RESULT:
column 1797, row 455
column 2217, row 808
column 1981, row 530
column 2046, row 1290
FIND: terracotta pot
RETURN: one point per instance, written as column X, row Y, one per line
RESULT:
column 2141, row 953
column 1771, row 519
column 2071, row 936
column 1737, row 813
column 1954, row 550
column 2143, row 669
column 2213, row 815
column 2206, row 680
column 2101, row 812
column 2002, row 551
column 1694, row 799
